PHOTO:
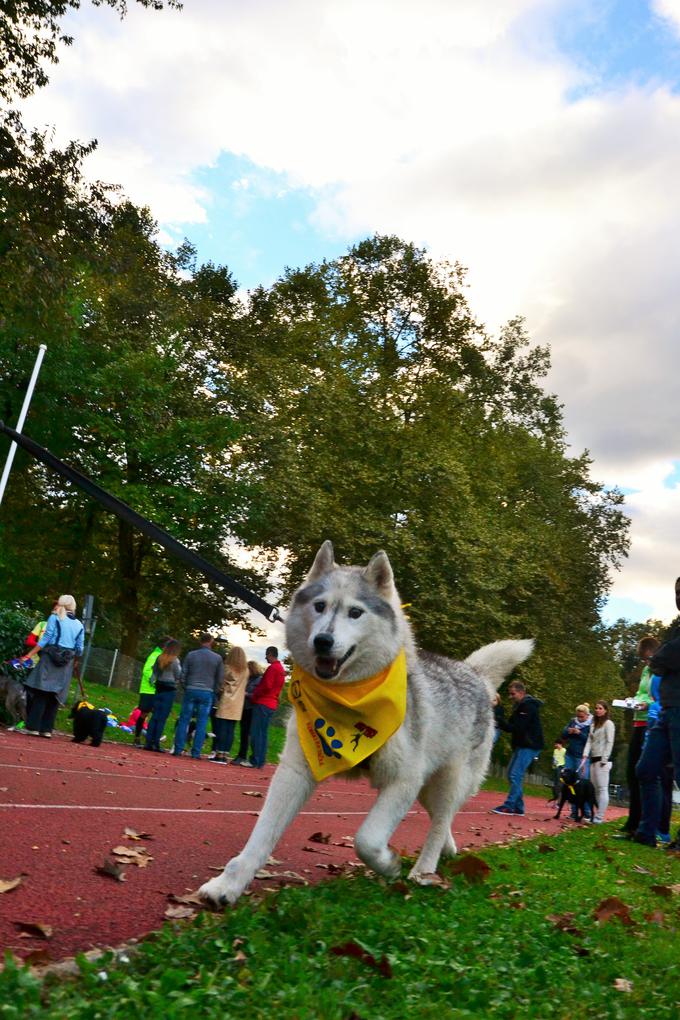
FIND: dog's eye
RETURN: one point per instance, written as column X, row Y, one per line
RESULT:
column 355, row 613
column 319, row 606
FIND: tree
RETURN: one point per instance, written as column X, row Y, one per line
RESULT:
column 382, row 415
column 30, row 34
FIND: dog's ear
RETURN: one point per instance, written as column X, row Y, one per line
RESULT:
column 324, row 561
column 379, row 574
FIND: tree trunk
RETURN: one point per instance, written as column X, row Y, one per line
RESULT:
column 129, row 564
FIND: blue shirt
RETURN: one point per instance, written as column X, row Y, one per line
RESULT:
column 654, row 710
column 72, row 633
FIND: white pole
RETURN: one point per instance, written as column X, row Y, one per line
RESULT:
column 22, row 419
column 113, row 666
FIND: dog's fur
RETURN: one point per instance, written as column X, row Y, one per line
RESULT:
column 439, row 755
column 88, row 722
column 13, row 697
column 578, row 791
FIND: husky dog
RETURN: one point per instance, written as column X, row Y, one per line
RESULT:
column 346, row 624
column 13, row 697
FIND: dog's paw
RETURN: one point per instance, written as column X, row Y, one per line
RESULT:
column 225, row 889
column 425, row 877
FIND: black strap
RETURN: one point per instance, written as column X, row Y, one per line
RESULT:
column 155, row 533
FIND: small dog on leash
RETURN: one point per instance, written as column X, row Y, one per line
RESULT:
column 574, row 789
column 13, row 697
column 367, row 702
column 88, row 721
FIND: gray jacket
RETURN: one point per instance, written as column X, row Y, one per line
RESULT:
column 203, row 670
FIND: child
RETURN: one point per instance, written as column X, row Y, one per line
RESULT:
column 559, row 754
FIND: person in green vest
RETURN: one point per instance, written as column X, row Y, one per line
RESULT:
column 147, row 690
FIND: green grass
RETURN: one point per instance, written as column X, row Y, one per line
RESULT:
column 122, row 702
column 472, row 950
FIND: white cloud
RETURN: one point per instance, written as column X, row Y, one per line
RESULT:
column 452, row 124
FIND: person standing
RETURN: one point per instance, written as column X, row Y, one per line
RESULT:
column 645, row 649
column 576, row 733
column 165, row 676
column 524, row 725
column 48, row 683
column 202, row 675
column 662, row 745
column 265, row 698
column 229, row 705
column 597, row 753
column 147, row 691
column 255, row 673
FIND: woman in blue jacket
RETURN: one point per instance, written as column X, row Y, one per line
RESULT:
column 48, row 684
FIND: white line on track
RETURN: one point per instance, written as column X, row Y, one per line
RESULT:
column 174, row 811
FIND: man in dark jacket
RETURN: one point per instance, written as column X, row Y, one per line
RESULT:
column 662, row 747
column 527, row 740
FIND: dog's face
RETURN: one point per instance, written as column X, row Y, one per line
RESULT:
column 343, row 624
column 569, row 777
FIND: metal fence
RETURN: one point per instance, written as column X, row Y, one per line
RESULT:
column 109, row 667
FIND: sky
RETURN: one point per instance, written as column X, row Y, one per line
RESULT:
column 537, row 142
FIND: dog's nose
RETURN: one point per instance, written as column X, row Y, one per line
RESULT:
column 323, row 644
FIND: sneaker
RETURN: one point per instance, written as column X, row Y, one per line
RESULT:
column 246, row 764
column 32, row 733
column 47, row 735
column 237, row 761
column 673, row 845
column 502, row 810
column 664, row 837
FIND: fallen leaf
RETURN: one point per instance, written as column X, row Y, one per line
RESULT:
column 623, row 985
column 656, row 917
column 353, row 949
column 313, row 850
column 610, row 907
column 431, row 878
column 320, row 837
column 473, row 868
column 131, row 834
column 240, row 957
column 545, row 848
column 7, row 884
column 179, row 913
column 130, row 855
column 252, row 793
column 565, row 923
column 292, row 876
column 34, row 929
column 666, row 890
column 190, row 898
column 640, row 870
column 37, row 957
column 111, row 869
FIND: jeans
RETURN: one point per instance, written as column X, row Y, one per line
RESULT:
column 572, row 761
column 162, row 707
column 519, row 763
column 661, row 751
column 224, row 734
column 599, row 775
column 259, row 730
column 196, row 702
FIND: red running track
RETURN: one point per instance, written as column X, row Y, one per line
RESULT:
column 65, row 806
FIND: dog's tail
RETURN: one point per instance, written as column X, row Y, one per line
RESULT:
column 497, row 660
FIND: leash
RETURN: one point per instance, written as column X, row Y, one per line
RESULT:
column 152, row 531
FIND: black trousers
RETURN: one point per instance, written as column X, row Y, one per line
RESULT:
column 42, row 707
column 634, row 804
column 246, row 720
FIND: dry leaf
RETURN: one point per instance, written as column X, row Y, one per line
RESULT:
column 545, row 848
column 564, row 922
column 320, row 837
column 473, row 868
column 129, row 855
column 623, row 985
column 359, row 953
column 610, row 907
column 252, row 793
column 34, row 929
column 179, row 913
column 7, row 884
column 188, row 900
column 656, row 917
column 111, row 869
column 131, row 834
column 431, row 878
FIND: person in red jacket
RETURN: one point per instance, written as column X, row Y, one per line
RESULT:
column 264, row 700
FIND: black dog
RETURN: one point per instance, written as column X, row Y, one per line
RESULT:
column 578, row 791
column 88, row 721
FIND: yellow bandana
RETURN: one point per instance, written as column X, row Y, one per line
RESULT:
column 341, row 724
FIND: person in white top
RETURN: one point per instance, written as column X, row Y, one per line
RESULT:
column 598, row 752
